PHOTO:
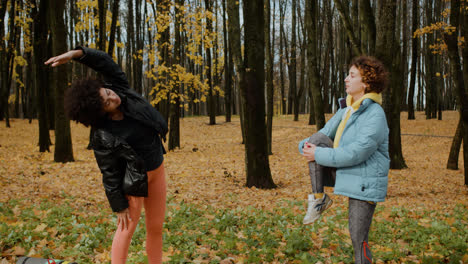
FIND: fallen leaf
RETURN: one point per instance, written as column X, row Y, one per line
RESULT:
column 40, row 228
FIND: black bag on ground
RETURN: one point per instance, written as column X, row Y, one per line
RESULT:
column 28, row 260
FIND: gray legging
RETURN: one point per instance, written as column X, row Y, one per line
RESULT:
column 360, row 212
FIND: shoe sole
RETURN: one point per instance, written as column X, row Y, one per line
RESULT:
column 316, row 218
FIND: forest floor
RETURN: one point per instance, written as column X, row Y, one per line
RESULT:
column 59, row 210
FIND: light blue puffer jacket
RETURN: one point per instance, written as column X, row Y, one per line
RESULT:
column 361, row 158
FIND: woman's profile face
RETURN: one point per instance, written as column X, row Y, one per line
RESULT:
column 110, row 100
column 354, row 85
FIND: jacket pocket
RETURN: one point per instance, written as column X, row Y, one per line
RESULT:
column 135, row 182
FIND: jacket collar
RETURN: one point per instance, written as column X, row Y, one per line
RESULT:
column 366, row 100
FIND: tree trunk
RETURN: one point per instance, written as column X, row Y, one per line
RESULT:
column 292, row 67
column 368, row 34
column 269, row 75
column 464, row 32
column 420, row 83
column 235, row 40
column 414, row 60
column 3, row 63
column 302, row 44
column 430, row 65
column 216, row 73
column 388, row 51
column 452, row 163
column 341, row 7
column 404, row 56
column 281, row 57
column 50, row 91
column 211, row 98
column 460, row 77
column 115, row 16
column 138, row 48
column 332, row 50
column 227, row 68
column 19, row 68
column 313, row 68
column 355, row 19
column 63, row 143
column 257, row 164
column 27, row 94
column 174, row 129
column 311, row 105
column 102, row 10
column 40, row 41
column 8, row 61
column 130, row 40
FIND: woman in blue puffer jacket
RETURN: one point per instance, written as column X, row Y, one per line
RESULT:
column 351, row 153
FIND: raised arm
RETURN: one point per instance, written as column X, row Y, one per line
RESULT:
column 64, row 58
column 96, row 60
column 103, row 63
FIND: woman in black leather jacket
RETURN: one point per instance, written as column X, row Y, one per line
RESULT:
column 126, row 140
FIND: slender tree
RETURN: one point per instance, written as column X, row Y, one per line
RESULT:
column 7, row 58
column 18, row 81
column 341, row 6
column 312, row 66
column 388, row 51
column 282, row 11
column 209, row 75
column 368, row 31
column 414, row 60
column 138, row 43
column 269, row 74
column 63, row 143
column 3, row 65
column 429, row 59
column 302, row 44
column 102, row 10
column 404, row 52
column 130, row 40
column 234, row 34
column 174, row 128
column 292, row 65
column 41, row 76
column 452, row 162
column 459, row 20
column 115, row 16
column 227, row 68
column 256, row 158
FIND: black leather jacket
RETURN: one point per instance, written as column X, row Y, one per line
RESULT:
column 123, row 172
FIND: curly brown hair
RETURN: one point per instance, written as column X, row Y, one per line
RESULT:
column 83, row 102
column 373, row 73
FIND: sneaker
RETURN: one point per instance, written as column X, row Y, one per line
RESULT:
column 316, row 207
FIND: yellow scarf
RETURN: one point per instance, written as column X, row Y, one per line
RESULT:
column 353, row 107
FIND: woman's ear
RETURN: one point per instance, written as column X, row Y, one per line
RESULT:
column 366, row 88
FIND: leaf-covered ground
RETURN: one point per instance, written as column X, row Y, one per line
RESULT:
column 54, row 209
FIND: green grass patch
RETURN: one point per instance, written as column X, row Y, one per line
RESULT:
column 194, row 232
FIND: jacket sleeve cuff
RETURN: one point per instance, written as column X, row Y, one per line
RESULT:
column 301, row 145
column 84, row 52
column 322, row 157
column 117, row 201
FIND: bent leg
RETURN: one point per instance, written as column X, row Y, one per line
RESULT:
column 122, row 238
column 155, row 209
column 316, row 171
column 360, row 219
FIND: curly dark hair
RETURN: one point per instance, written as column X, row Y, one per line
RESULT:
column 373, row 73
column 83, row 102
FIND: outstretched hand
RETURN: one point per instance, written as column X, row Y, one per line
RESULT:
column 64, row 58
